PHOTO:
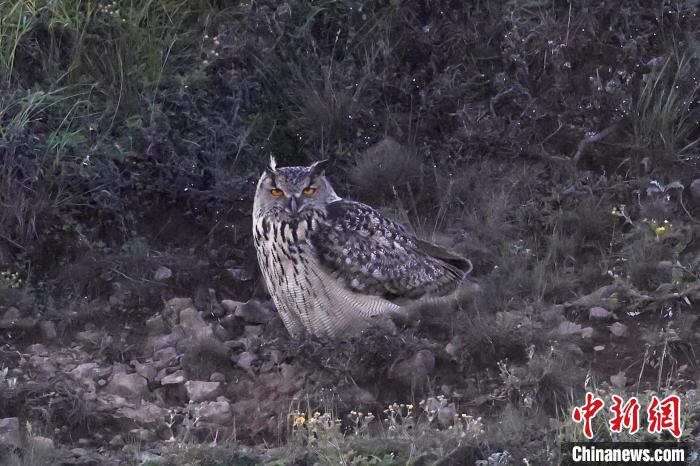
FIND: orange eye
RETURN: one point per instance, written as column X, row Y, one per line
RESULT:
column 276, row 192
column 309, row 191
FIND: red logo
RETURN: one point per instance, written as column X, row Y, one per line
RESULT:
column 661, row 414
column 665, row 415
column 626, row 415
column 587, row 412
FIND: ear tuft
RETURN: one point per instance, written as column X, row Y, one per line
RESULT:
column 271, row 167
column 319, row 168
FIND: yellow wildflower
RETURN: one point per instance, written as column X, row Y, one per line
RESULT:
column 299, row 421
column 660, row 230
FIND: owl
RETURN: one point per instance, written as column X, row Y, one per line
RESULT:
column 334, row 266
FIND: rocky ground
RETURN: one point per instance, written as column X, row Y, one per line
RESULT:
column 553, row 143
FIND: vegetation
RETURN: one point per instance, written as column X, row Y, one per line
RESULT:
column 555, row 143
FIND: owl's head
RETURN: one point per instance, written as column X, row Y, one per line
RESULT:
column 292, row 190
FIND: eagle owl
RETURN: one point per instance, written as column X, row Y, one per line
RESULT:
column 332, row 265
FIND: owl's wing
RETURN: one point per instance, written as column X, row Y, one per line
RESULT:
column 374, row 255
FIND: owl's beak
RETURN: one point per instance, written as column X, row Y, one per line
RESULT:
column 293, row 204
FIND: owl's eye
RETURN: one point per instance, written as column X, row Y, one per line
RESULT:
column 309, row 191
column 276, row 192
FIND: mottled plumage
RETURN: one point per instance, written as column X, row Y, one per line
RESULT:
column 332, row 265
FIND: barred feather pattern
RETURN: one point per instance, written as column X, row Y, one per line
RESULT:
column 331, row 271
column 307, row 295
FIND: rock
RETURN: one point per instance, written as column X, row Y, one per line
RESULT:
column 587, row 332
column 86, row 374
column 193, row 324
column 175, row 378
column 162, row 273
column 10, row 315
column 446, row 415
column 144, row 414
column 198, row 391
column 10, row 434
column 619, row 380
column 172, row 308
column 42, row 443
column 175, row 305
column 130, row 386
column 599, row 313
column 242, row 409
column 148, row 371
column 12, row 319
column 239, row 274
column 253, row 330
column 165, row 357
column 88, row 336
column 618, row 329
column 217, row 412
column 254, row 312
column 599, row 348
column 220, row 332
column 568, row 328
column 230, row 305
column 695, row 190
column 217, row 377
column 37, row 348
column 117, row 441
column 245, row 360
column 48, row 330
column 156, row 325
column 415, row 370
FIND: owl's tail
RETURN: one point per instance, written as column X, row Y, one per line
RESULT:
column 410, row 314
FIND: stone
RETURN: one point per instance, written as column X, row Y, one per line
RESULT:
column 117, row 441
column 130, row 386
column 175, row 305
column 86, row 374
column 587, row 332
column 162, row 273
column 10, row 433
column 198, row 391
column 165, row 357
column 144, row 414
column 619, row 380
column 230, row 305
column 414, row 370
column 175, row 378
column 239, row 274
column 254, row 312
column 148, row 371
column 42, row 443
column 156, row 325
column 12, row 319
column 37, row 348
column 618, row 329
column 217, row 377
column 245, row 360
column 695, row 190
column 193, row 325
column 11, row 314
column 568, row 328
column 446, row 415
column 216, row 412
column 48, row 330
column 599, row 313
column 253, row 330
